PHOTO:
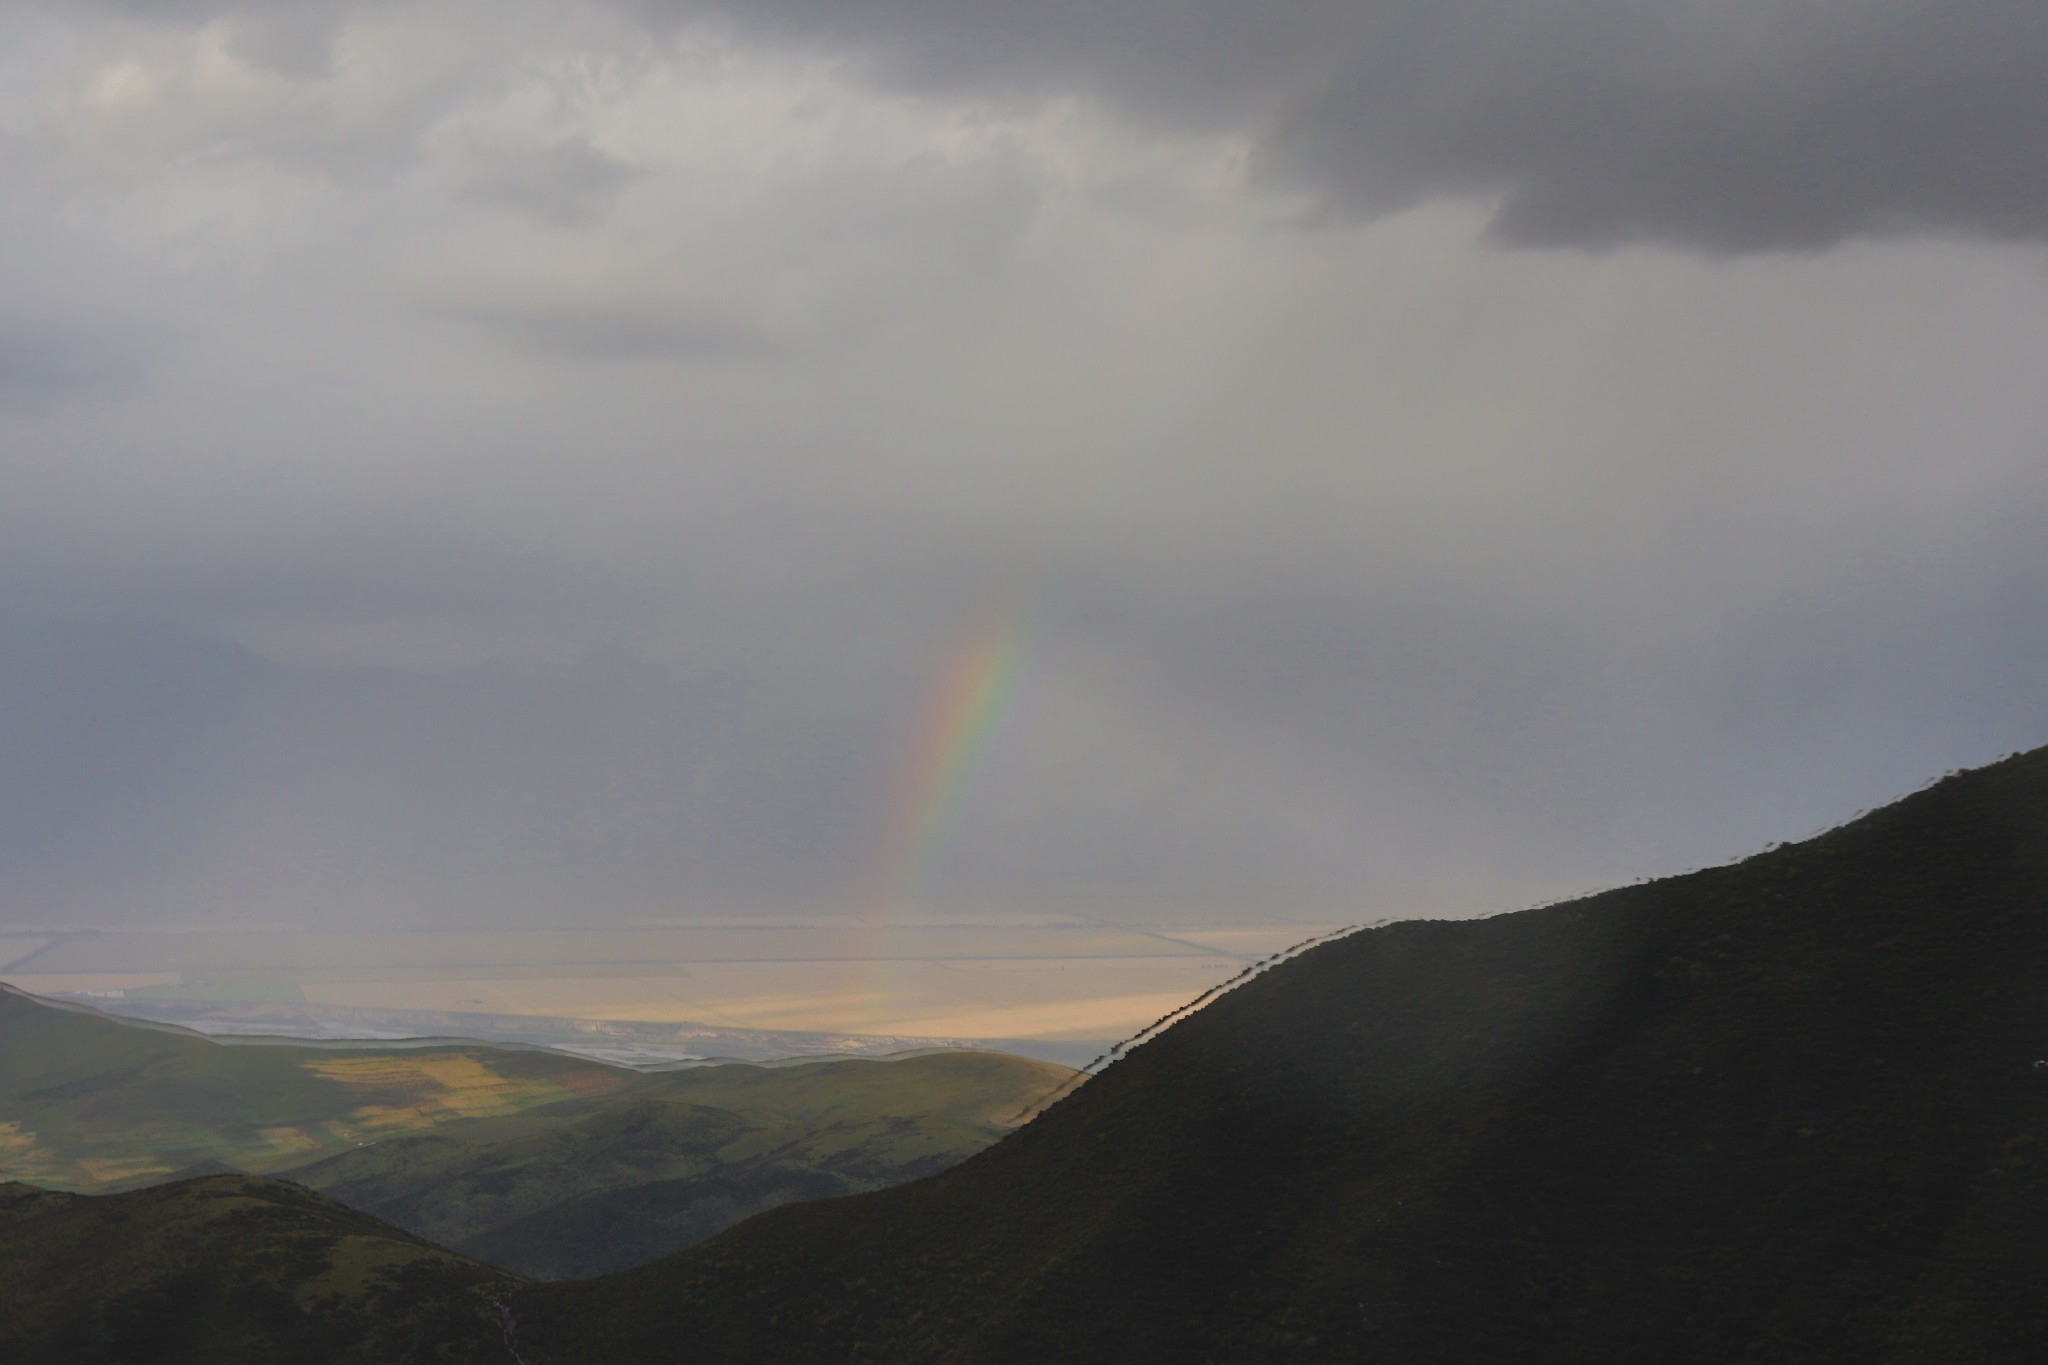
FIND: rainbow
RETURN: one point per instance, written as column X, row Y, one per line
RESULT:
column 958, row 722
column 963, row 714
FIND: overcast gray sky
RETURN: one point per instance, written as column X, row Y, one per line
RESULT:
column 516, row 462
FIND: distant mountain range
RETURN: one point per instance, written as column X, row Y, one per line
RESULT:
column 1792, row 1110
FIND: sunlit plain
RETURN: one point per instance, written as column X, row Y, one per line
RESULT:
column 1061, row 980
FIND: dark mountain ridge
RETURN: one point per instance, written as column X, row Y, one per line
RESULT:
column 1787, row 1110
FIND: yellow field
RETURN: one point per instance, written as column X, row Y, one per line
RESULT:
column 428, row 1089
column 290, row 1141
column 1047, row 998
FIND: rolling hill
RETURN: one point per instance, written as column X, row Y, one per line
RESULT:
column 88, row 1101
column 540, row 1162
column 231, row 1269
column 1790, row 1110
column 587, row 1186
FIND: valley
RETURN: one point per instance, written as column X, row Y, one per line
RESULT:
column 546, row 1163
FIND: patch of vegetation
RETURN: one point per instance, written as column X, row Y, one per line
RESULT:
column 233, row 1270
column 90, row 1102
column 589, row 1186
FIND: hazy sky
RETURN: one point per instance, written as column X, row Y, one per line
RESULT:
column 531, row 461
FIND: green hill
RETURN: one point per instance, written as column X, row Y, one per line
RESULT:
column 1786, row 1111
column 588, row 1186
column 232, row 1270
column 88, row 1101
column 544, row 1163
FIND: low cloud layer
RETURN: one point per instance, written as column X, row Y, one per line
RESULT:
column 530, row 460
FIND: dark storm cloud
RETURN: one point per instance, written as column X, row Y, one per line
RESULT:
column 1723, row 126
column 1728, row 127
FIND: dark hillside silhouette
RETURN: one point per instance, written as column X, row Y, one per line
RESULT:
column 1787, row 1110
column 232, row 1270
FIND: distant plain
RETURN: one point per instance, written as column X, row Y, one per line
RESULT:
column 1058, row 981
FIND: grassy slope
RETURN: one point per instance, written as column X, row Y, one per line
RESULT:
column 1784, row 1111
column 232, row 1270
column 87, row 1101
column 589, row 1186
column 548, row 1164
